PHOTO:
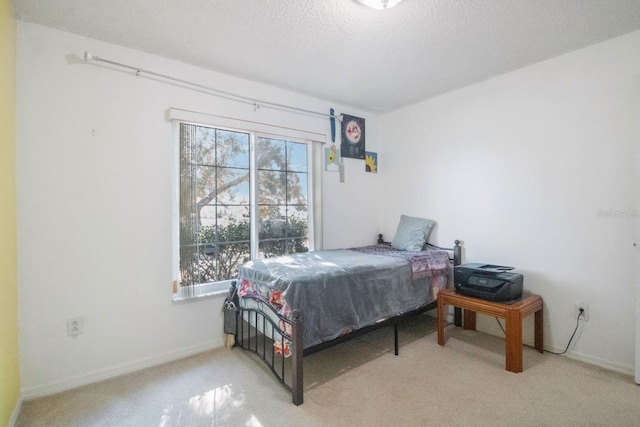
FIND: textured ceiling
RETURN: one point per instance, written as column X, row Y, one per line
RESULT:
column 340, row 50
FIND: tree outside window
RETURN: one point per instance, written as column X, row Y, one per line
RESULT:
column 216, row 200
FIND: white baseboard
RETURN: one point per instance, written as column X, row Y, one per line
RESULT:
column 117, row 370
column 626, row 370
column 528, row 338
column 14, row 414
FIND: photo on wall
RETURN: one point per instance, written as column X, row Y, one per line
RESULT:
column 332, row 159
column 371, row 162
column 352, row 137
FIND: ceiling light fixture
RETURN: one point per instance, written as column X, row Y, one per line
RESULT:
column 380, row 4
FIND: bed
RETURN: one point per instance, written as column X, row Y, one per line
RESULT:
column 291, row 306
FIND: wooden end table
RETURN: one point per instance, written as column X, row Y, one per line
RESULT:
column 512, row 313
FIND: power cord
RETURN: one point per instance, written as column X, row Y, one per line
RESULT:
column 570, row 339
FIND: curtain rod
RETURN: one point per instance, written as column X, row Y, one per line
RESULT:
column 217, row 92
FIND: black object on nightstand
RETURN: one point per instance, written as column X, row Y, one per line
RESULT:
column 488, row 282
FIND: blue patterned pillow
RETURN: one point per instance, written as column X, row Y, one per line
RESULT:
column 412, row 233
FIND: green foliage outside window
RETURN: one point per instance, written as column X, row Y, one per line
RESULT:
column 211, row 261
column 215, row 200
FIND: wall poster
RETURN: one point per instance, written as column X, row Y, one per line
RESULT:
column 371, row 162
column 332, row 159
column 352, row 137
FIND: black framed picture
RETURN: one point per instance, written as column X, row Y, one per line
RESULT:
column 352, row 137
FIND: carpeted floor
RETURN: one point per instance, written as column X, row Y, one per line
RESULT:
column 357, row 383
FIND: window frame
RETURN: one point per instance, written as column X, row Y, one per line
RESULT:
column 314, row 142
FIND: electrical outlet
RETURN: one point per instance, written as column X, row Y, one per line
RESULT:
column 74, row 326
column 585, row 313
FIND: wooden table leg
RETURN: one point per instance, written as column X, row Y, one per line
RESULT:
column 441, row 321
column 539, row 331
column 514, row 341
column 469, row 320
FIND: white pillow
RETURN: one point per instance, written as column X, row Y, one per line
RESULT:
column 412, row 233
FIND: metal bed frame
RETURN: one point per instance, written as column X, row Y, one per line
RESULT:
column 256, row 332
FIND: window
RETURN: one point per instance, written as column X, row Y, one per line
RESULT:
column 283, row 208
column 241, row 195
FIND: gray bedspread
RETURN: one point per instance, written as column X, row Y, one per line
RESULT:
column 338, row 291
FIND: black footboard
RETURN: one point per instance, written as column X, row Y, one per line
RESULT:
column 259, row 332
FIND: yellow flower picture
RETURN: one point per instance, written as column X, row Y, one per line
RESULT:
column 371, row 162
column 331, row 159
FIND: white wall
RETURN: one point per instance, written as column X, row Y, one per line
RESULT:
column 94, row 206
column 517, row 167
